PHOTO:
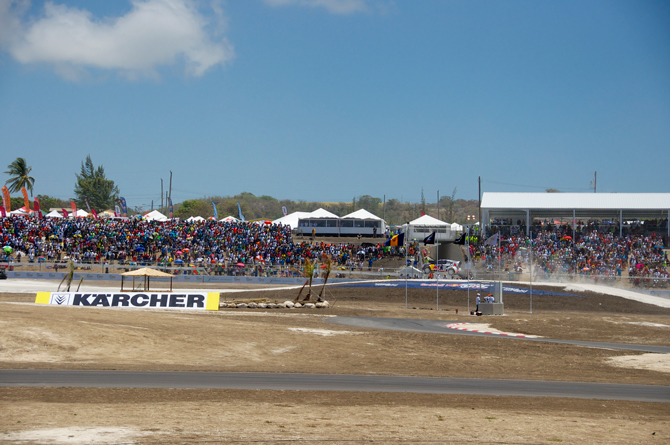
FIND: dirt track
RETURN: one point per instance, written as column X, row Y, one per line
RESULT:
column 293, row 341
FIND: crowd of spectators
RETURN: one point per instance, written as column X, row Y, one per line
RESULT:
column 600, row 255
column 224, row 247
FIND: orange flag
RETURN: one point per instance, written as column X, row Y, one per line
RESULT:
column 26, row 201
column 6, row 200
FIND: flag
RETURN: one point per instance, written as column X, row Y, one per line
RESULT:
column 430, row 239
column 283, row 209
column 460, row 240
column 239, row 209
column 6, row 202
column 2, row 212
column 88, row 206
column 423, row 213
column 492, row 241
column 396, row 240
column 171, row 213
column 36, row 206
column 124, row 207
column 73, row 206
column 95, row 215
column 216, row 214
column 26, row 201
column 65, row 215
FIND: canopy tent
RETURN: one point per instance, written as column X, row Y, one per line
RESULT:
column 362, row 214
column 420, row 228
column 455, row 227
column 81, row 213
column 54, row 214
column 19, row 212
column 427, row 220
column 229, row 219
column 155, row 215
column 147, row 273
column 321, row 213
column 362, row 222
column 195, row 219
column 290, row 219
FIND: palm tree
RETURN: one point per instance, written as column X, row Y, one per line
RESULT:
column 19, row 171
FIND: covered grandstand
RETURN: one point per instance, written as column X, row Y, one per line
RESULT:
column 615, row 209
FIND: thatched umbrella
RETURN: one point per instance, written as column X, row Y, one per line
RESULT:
column 147, row 273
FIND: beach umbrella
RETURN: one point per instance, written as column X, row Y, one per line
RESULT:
column 7, row 248
column 240, row 264
column 179, row 261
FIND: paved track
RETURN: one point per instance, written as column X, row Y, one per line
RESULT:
column 440, row 327
column 336, row 382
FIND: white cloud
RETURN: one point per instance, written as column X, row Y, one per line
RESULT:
column 333, row 6
column 152, row 34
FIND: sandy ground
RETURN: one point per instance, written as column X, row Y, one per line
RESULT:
column 37, row 336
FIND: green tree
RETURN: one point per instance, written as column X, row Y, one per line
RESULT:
column 19, row 176
column 94, row 185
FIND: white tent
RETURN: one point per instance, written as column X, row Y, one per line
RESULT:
column 421, row 227
column 81, row 213
column 18, row 212
column 155, row 215
column 229, row 219
column 427, row 220
column 53, row 214
column 290, row 219
column 455, row 227
column 321, row 213
column 195, row 219
column 361, row 214
column 362, row 222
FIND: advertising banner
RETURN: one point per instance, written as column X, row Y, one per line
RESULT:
column 26, row 201
column 124, row 207
column 6, row 203
column 203, row 301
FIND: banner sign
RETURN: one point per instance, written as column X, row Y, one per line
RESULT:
column 124, row 207
column 171, row 211
column 6, row 202
column 73, row 206
column 203, row 301
column 36, row 206
column 26, row 201
column 216, row 214
column 475, row 286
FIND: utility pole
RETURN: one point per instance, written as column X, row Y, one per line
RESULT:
column 161, row 193
column 384, row 209
column 595, row 182
column 480, row 202
column 438, row 204
column 170, row 192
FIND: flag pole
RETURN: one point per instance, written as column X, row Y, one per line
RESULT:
column 437, row 274
column 406, row 248
column 531, row 272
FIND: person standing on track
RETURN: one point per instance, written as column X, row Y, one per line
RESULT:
column 477, row 300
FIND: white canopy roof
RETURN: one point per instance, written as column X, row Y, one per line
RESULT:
column 18, row 212
column 81, row 213
column 229, row 219
column 569, row 201
column 321, row 213
column 155, row 215
column 455, row 227
column 291, row 219
column 427, row 220
column 195, row 219
column 53, row 214
column 361, row 214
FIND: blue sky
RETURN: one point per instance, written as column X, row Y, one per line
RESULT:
column 324, row 100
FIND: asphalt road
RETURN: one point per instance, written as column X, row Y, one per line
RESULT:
column 326, row 382
column 440, row 327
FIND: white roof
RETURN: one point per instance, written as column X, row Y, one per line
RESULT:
column 18, row 212
column 228, row 219
column 291, row 219
column 320, row 213
column 570, row 201
column 54, row 214
column 195, row 219
column 81, row 213
column 361, row 214
column 427, row 220
column 455, row 227
column 155, row 215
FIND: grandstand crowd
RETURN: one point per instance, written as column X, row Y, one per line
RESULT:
column 242, row 247
column 171, row 243
column 596, row 251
